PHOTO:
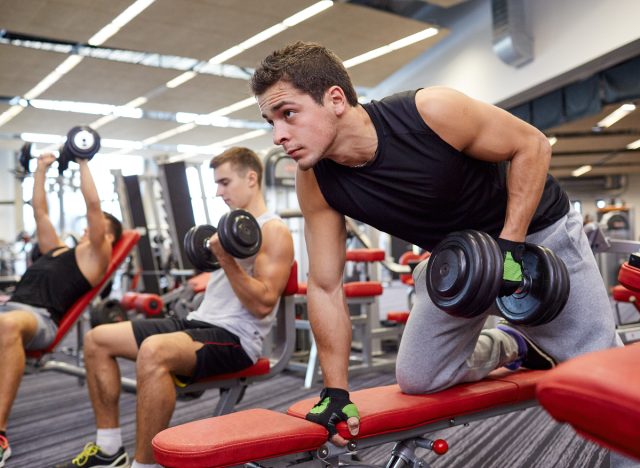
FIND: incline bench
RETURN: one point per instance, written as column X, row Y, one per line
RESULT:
column 387, row 415
column 37, row 358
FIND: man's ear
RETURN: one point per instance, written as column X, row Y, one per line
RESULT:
column 252, row 176
column 336, row 98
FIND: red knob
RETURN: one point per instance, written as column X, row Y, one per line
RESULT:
column 440, row 446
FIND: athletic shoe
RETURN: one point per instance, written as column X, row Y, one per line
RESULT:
column 5, row 450
column 92, row 456
column 530, row 355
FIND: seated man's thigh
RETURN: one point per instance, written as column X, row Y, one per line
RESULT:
column 36, row 331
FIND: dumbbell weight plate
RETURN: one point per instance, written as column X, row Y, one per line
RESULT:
column 83, row 142
column 546, row 294
column 464, row 273
column 107, row 311
column 196, row 250
column 25, row 157
column 239, row 234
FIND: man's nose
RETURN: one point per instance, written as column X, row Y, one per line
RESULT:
column 280, row 136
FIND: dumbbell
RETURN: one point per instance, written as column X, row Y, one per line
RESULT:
column 464, row 276
column 239, row 234
column 25, row 157
column 83, row 142
column 151, row 305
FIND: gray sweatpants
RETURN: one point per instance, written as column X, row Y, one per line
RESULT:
column 438, row 350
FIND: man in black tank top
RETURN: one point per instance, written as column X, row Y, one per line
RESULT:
column 29, row 319
column 419, row 165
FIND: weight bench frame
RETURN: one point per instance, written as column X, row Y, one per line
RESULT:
column 261, row 438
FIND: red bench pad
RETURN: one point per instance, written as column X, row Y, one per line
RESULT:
column 258, row 434
column 365, row 255
column 353, row 289
column 236, row 438
column 629, row 277
column 622, row 294
column 386, row 409
column 598, row 394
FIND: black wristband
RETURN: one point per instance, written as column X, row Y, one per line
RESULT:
column 516, row 248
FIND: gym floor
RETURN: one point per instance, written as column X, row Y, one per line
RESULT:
column 52, row 420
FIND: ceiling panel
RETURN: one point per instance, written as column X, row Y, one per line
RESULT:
column 135, row 129
column 201, row 29
column 201, row 95
column 203, row 136
column 349, row 30
column 46, row 121
column 103, row 81
column 21, row 69
column 74, row 20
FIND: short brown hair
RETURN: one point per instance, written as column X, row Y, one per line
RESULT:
column 241, row 159
column 116, row 227
column 309, row 67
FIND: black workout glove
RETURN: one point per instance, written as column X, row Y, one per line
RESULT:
column 334, row 406
column 512, row 252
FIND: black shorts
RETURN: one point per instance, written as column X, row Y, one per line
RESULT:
column 221, row 353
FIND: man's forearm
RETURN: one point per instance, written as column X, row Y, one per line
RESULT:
column 526, row 179
column 39, row 199
column 331, row 326
column 88, row 186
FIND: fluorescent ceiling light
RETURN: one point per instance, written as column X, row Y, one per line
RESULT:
column 272, row 31
column 168, row 134
column 235, row 107
column 616, row 115
column 180, row 79
column 552, row 140
column 87, row 108
column 634, row 145
column 307, row 13
column 581, row 170
column 399, row 44
column 10, row 114
column 119, row 21
column 41, row 138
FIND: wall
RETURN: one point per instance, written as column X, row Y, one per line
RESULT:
column 11, row 220
column 567, row 34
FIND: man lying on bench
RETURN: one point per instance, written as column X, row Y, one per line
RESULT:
column 225, row 334
column 29, row 320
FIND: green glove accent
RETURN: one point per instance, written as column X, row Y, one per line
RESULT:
column 334, row 406
column 512, row 271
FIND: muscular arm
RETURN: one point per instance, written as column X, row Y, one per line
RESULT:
column 325, row 236
column 260, row 292
column 491, row 134
column 95, row 217
column 45, row 232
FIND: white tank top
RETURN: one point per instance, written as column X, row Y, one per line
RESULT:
column 221, row 306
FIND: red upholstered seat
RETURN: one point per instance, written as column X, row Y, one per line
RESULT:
column 362, row 289
column 409, row 257
column 398, row 316
column 121, row 250
column 365, row 255
column 629, row 277
column 387, row 409
column 599, row 395
column 255, row 434
column 622, row 294
column 353, row 289
column 236, row 438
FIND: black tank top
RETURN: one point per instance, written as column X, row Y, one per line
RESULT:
column 53, row 283
column 419, row 188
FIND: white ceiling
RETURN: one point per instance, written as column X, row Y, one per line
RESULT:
column 197, row 29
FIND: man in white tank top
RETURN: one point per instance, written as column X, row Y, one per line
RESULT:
column 223, row 335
